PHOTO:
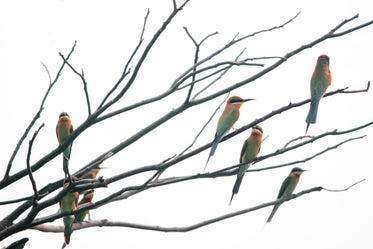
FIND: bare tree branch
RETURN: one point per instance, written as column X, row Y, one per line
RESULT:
column 345, row 189
column 196, row 55
column 279, row 62
column 90, row 120
column 23, row 216
column 106, row 223
column 28, row 165
column 126, row 70
column 176, row 82
column 359, row 91
column 81, row 76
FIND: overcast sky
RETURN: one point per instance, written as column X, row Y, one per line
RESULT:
column 36, row 31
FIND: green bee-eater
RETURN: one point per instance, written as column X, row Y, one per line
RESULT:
column 249, row 151
column 68, row 203
column 63, row 129
column 87, row 198
column 320, row 81
column 287, row 188
column 226, row 121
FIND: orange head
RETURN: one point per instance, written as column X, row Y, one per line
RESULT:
column 324, row 59
column 64, row 118
column 257, row 131
column 322, row 67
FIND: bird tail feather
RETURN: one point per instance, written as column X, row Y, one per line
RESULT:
column 68, row 222
column 236, row 186
column 311, row 117
column 273, row 213
column 213, row 148
column 312, row 113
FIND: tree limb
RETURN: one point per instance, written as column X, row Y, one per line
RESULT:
column 106, row 223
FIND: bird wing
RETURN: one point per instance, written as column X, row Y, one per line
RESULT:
column 284, row 184
column 244, row 147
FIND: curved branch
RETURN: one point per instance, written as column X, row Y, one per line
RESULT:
column 81, row 76
column 28, row 165
column 106, row 223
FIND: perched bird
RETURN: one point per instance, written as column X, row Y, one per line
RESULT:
column 226, row 121
column 68, row 203
column 249, row 151
column 287, row 188
column 63, row 129
column 320, row 81
column 87, row 198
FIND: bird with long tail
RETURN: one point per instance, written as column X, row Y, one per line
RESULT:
column 320, row 81
column 249, row 151
column 226, row 121
column 63, row 129
column 287, row 188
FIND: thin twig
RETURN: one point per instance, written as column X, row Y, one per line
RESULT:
column 359, row 91
column 224, row 71
column 81, row 76
column 345, row 189
column 126, row 69
column 196, row 56
column 31, row 142
column 293, row 140
column 204, row 126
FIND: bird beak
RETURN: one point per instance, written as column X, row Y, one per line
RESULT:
column 303, row 170
column 245, row 100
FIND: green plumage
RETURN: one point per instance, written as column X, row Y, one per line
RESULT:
column 287, row 188
column 68, row 203
column 249, row 151
column 320, row 81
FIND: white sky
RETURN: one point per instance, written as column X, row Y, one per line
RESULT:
column 35, row 31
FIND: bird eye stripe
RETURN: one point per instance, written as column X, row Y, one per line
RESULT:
column 258, row 128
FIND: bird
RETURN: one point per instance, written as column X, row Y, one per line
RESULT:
column 287, row 188
column 68, row 203
column 226, row 121
column 87, row 198
column 249, row 151
column 320, row 81
column 63, row 129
